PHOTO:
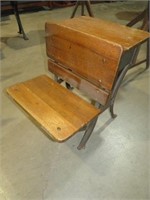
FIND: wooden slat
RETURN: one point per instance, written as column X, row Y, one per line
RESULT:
column 91, row 47
column 89, row 41
column 59, row 112
column 125, row 36
column 98, row 63
column 93, row 92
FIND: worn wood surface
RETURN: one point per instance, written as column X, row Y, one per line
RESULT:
column 116, row 33
column 59, row 112
column 95, row 93
column 91, row 58
column 91, row 48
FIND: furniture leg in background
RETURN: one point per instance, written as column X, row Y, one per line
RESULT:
column 144, row 17
column 16, row 12
column 83, row 4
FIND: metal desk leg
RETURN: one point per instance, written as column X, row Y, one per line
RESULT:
column 82, row 9
column 88, row 6
column 144, row 16
column 83, row 3
column 111, row 109
column 116, row 88
column 75, row 9
column 147, row 55
column 21, row 30
column 87, row 134
column 119, row 80
column 89, row 128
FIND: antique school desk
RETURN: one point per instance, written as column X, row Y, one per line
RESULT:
column 89, row 54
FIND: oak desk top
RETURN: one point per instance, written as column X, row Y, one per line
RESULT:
column 112, row 32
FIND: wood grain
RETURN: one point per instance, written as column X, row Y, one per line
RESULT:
column 59, row 112
column 91, row 48
column 98, row 65
column 115, row 33
column 93, row 92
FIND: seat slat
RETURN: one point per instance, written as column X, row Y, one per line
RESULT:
column 60, row 112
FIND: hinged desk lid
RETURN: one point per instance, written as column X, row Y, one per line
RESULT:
column 115, row 33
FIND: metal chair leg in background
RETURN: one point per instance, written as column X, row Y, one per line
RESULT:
column 147, row 55
column 16, row 12
column 83, row 4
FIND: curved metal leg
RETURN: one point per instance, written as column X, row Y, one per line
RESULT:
column 111, row 109
column 117, row 85
column 121, row 75
column 87, row 134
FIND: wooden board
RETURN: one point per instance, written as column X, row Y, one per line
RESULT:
column 89, row 57
column 59, row 112
column 91, row 48
column 115, row 33
column 95, row 93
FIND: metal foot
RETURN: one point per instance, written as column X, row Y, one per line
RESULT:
column 87, row 134
column 111, row 109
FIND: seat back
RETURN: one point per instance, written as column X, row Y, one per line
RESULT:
column 86, row 61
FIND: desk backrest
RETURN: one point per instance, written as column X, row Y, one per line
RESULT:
column 88, row 62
